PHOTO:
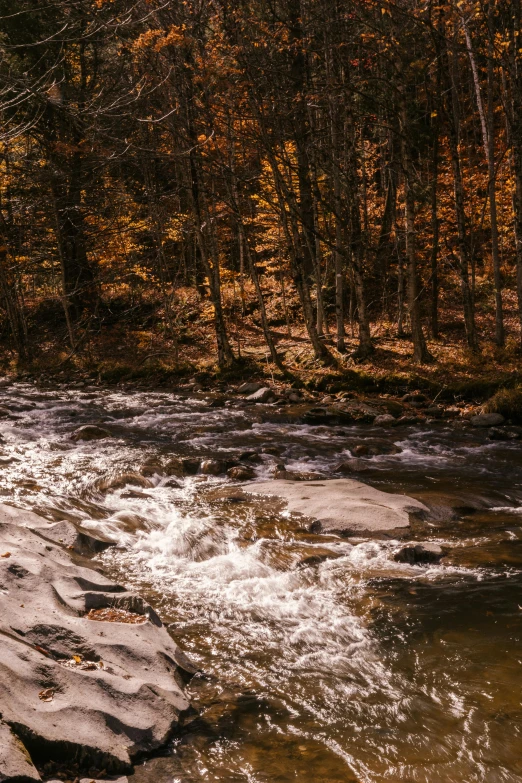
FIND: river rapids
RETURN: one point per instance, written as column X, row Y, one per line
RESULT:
column 322, row 658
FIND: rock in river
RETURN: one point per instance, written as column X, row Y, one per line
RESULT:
column 385, row 420
column 351, row 466
column 124, row 479
column 212, row 467
column 241, row 473
column 75, row 689
column 250, row 387
column 345, row 506
column 90, row 432
column 265, row 394
column 487, row 420
column 417, row 554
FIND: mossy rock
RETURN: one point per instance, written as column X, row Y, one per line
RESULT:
column 507, row 402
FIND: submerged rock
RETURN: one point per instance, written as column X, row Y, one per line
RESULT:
column 123, row 480
column 190, row 465
column 351, row 466
column 419, row 554
column 487, row 420
column 385, row 420
column 506, row 433
column 75, row 690
column 241, row 473
column 90, row 432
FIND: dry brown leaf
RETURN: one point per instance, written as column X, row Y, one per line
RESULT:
column 6, row 554
column 112, row 615
column 47, row 694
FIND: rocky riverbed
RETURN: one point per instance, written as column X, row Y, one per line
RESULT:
column 342, row 574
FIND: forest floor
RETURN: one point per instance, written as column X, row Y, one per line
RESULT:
column 135, row 348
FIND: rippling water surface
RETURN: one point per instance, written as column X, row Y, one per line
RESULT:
column 346, row 667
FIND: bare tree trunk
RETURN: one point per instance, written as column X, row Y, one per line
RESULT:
column 488, row 141
column 420, row 350
column 452, row 115
column 12, row 303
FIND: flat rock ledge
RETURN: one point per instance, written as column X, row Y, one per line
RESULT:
column 345, row 506
column 96, row 694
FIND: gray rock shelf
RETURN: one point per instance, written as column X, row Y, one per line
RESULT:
column 74, row 689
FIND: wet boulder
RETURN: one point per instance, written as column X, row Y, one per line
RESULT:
column 265, row 394
column 419, row 554
column 250, row 388
column 415, row 397
column 241, row 473
column 122, row 480
column 408, row 420
column 182, row 466
column 361, row 450
column 280, row 472
column 393, row 407
column 152, row 467
column 487, row 420
column 434, row 411
column 345, row 506
column 505, row 433
column 351, row 466
column 217, row 402
column 330, row 416
column 251, row 456
column 174, row 467
column 212, row 467
column 384, row 420
column 90, row 432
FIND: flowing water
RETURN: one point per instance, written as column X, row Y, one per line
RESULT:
column 322, row 658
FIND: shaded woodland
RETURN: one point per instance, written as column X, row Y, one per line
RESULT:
column 336, row 170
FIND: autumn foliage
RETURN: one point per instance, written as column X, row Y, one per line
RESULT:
column 341, row 169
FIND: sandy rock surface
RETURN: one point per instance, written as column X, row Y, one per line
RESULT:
column 98, row 693
column 344, row 506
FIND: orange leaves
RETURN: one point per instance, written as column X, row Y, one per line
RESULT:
column 159, row 39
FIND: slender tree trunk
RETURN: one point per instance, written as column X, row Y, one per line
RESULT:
column 11, row 301
column 338, row 256
column 488, row 141
column 420, row 350
column 452, row 115
column 357, row 242
column 225, row 353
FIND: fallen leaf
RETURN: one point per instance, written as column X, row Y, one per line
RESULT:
column 113, row 615
column 6, row 554
column 77, row 658
column 47, row 694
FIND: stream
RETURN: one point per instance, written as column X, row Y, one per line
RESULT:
column 322, row 658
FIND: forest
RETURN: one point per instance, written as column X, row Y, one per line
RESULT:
column 298, row 183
